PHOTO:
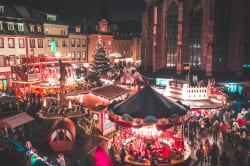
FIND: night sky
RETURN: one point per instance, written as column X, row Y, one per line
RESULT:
column 117, row 10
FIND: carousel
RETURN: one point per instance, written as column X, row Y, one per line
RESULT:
column 151, row 130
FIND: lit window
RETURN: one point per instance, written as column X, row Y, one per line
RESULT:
column 12, row 60
column 40, row 43
column 51, row 17
column 20, row 27
column 73, row 55
column 84, row 55
column 1, row 9
column 109, row 42
column 1, row 25
column 10, row 26
column 21, row 43
column 72, row 42
column 39, row 29
column 32, row 43
column 78, row 29
column 78, row 55
column 32, row 29
column 11, row 42
column 83, row 43
column 1, row 43
column 78, row 42
column 1, row 60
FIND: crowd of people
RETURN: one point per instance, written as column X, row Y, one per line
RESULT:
column 225, row 127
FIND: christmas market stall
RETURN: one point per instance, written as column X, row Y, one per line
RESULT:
column 151, row 129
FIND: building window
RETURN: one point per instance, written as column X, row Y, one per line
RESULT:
column 1, row 25
column 172, row 35
column 84, row 55
column 49, row 43
column 83, row 43
column 195, row 34
column 57, row 43
column 11, row 43
column 72, row 42
column 20, row 27
column 21, row 43
column 39, row 29
column 73, row 55
column 78, row 42
column 12, row 60
column 109, row 43
column 1, row 9
column 32, row 29
column 64, row 43
column 40, row 43
column 51, row 17
column 78, row 29
column 32, row 43
column 11, row 26
column 63, row 32
column 78, row 55
column 1, row 43
column 1, row 60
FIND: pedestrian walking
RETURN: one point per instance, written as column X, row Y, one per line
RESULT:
column 214, row 154
column 206, row 150
column 199, row 154
column 224, row 161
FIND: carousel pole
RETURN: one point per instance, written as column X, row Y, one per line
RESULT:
column 188, row 129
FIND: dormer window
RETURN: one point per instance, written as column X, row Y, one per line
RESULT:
column 51, row 17
column 11, row 26
column 1, row 25
column 32, row 28
column 39, row 29
column 78, row 29
column 20, row 27
column 1, row 9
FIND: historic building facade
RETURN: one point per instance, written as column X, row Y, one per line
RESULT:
column 206, row 34
column 20, row 38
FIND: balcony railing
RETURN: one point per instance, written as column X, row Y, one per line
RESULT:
column 42, row 59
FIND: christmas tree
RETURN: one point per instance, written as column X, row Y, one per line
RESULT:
column 101, row 63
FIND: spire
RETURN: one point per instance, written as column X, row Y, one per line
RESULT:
column 103, row 9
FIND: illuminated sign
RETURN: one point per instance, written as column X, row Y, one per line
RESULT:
column 246, row 66
column 186, row 67
column 108, row 125
column 53, row 46
column 162, row 81
column 231, row 87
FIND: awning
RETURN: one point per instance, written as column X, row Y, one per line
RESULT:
column 16, row 120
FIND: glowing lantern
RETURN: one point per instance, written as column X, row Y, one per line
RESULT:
column 44, row 103
column 70, row 106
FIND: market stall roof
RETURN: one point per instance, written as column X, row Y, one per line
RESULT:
column 110, row 92
column 148, row 102
column 8, row 99
column 16, row 120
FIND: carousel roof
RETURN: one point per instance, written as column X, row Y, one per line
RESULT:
column 148, row 102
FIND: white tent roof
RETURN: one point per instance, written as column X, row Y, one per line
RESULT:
column 16, row 120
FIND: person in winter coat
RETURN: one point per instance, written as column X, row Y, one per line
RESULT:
column 214, row 154
column 206, row 150
column 224, row 161
column 202, row 126
column 200, row 154
column 216, row 128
